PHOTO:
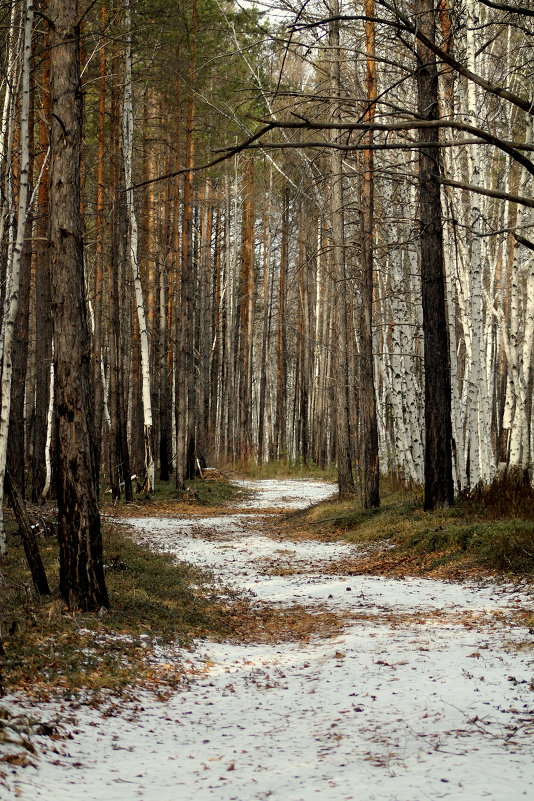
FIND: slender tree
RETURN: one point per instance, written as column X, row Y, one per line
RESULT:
column 368, row 421
column 439, row 486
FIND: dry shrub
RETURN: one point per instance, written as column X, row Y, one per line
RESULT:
column 509, row 494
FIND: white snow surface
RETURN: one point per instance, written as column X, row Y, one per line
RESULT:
column 386, row 711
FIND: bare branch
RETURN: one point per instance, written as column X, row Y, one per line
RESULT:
column 402, row 22
column 233, row 151
column 528, row 12
column 480, row 190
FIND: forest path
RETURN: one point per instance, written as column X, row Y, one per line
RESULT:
column 425, row 691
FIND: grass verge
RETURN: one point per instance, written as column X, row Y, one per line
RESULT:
column 198, row 492
column 472, row 537
column 154, row 601
column 283, row 468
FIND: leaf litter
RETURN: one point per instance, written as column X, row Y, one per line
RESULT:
column 346, row 686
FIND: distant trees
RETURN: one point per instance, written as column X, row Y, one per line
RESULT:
column 357, row 287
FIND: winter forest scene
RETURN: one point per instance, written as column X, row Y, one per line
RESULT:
column 266, row 400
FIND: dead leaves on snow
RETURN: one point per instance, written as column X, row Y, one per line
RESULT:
column 270, row 624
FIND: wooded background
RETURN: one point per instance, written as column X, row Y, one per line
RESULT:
column 369, row 192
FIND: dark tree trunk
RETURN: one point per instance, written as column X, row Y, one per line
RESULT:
column 165, row 428
column 439, row 487
column 368, row 421
column 27, row 533
column 246, row 298
column 43, row 318
column 184, row 377
column 82, row 582
column 345, row 478
column 119, row 457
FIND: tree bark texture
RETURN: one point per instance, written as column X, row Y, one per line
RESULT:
column 341, row 378
column 368, row 421
column 439, row 487
column 82, row 582
column 43, row 318
column 29, row 540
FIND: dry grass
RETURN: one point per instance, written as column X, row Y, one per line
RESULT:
column 487, row 532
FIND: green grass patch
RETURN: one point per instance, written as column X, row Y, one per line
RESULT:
column 504, row 545
column 198, row 491
column 154, row 600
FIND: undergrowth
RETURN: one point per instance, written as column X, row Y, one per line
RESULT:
column 283, row 468
column 154, row 600
column 199, row 492
column 491, row 529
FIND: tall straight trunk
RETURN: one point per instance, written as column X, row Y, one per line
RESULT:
column 205, row 338
column 439, row 487
column 368, row 421
column 14, row 267
column 343, row 435
column 43, row 318
column 266, row 321
column 218, row 339
column 133, row 237
column 280, row 440
column 185, row 423
column 7, row 132
column 98, row 382
column 82, row 582
column 166, row 279
column 303, row 338
column 246, row 299
column 17, row 418
column 149, row 250
column 165, row 428
column 118, row 453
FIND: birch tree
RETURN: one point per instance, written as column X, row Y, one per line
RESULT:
column 133, row 241
column 14, row 263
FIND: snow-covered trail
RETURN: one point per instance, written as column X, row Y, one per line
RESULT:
column 408, row 703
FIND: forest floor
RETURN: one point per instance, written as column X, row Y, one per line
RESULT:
column 337, row 682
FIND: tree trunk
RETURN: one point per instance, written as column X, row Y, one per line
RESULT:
column 341, row 378
column 127, row 136
column 43, row 318
column 98, row 382
column 14, row 267
column 82, row 582
column 29, row 540
column 246, row 299
column 439, row 488
column 280, row 439
column 368, row 421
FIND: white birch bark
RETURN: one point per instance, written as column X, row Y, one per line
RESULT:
column 522, row 323
column 13, row 268
column 127, row 137
column 7, row 129
column 49, row 426
column 478, row 408
column 400, row 373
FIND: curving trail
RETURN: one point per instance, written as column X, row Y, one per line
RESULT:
column 426, row 694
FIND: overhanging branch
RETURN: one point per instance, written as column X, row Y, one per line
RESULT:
column 480, row 190
column 527, row 12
